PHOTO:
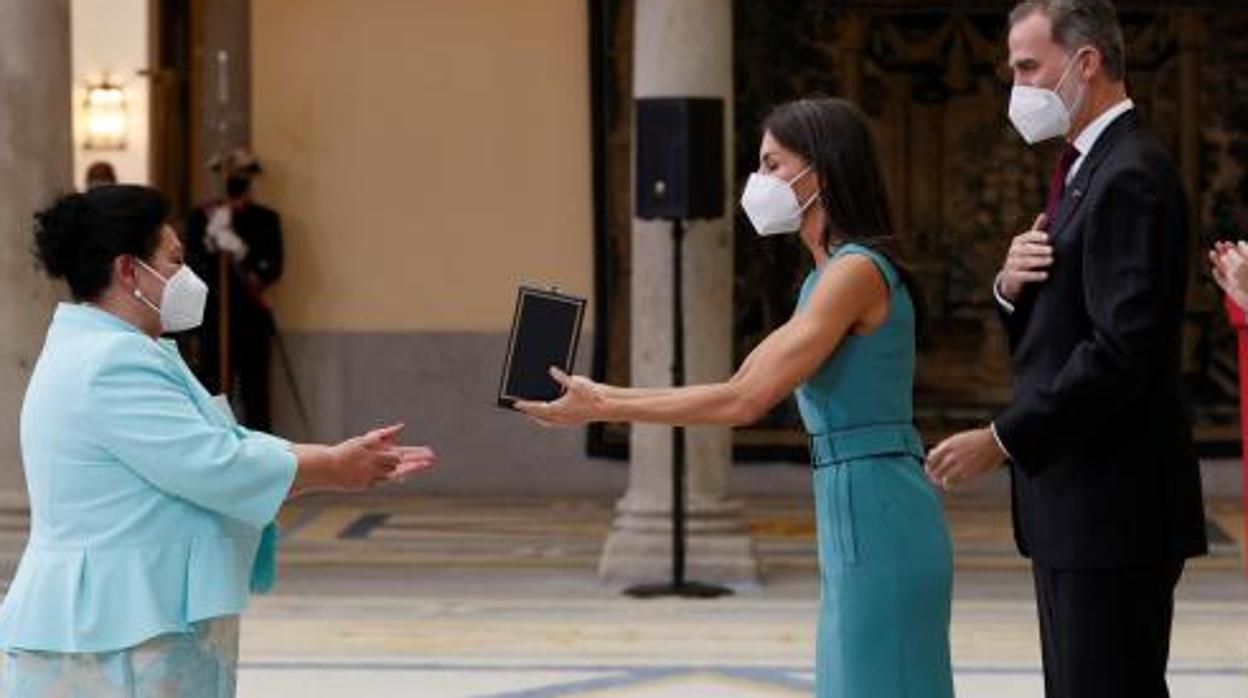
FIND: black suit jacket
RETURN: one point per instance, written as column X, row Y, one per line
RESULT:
column 1103, row 470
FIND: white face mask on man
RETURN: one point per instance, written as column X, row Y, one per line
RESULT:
column 1039, row 113
column 771, row 204
column 182, row 302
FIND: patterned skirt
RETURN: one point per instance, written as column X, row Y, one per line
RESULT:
column 202, row 663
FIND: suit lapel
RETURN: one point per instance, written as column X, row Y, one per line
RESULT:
column 1078, row 187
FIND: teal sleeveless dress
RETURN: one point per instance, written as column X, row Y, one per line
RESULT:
column 885, row 557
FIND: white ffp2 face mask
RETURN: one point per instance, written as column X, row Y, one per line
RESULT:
column 1039, row 113
column 182, row 302
column 771, row 204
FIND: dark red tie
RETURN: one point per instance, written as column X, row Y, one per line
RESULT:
column 1057, row 185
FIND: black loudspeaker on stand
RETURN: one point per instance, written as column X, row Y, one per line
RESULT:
column 680, row 176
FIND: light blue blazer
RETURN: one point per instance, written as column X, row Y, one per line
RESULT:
column 147, row 501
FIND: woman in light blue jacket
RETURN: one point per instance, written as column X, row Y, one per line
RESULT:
column 148, row 502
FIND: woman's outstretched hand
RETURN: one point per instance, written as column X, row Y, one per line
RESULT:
column 582, row 401
column 377, row 457
column 359, row 463
column 412, row 459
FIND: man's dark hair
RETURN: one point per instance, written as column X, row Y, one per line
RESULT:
column 1079, row 23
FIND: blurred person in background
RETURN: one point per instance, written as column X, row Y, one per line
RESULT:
column 247, row 236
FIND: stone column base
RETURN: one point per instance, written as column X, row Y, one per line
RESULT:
column 718, row 546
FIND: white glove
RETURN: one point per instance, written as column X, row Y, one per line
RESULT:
column 220, row 234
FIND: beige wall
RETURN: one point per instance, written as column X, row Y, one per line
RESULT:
column 427, row 156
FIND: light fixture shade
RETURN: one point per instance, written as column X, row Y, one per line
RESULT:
column 107, row 120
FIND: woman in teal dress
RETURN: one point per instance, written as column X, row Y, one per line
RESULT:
column 848, row 351
column 151, row 509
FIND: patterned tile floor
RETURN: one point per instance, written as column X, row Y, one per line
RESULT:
column 454, row 598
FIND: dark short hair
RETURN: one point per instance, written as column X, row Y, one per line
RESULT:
column 1079, row 23
column 79, row 235
column 101, row 172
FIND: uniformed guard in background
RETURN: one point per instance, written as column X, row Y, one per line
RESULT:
column 235, row 244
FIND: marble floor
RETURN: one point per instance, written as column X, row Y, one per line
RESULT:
column 452, row 598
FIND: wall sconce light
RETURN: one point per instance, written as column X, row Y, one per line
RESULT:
column 106, row 117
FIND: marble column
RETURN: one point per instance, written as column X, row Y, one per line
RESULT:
column 682, row 48
column 36, row 156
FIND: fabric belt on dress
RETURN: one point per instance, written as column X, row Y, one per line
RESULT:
column 865, row 442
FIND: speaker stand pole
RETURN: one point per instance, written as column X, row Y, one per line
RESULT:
column 679, row 586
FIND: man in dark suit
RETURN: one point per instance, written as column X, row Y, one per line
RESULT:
column 1105, row 483
column 248, row 236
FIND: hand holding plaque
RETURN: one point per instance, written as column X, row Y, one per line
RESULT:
column 544, row 334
